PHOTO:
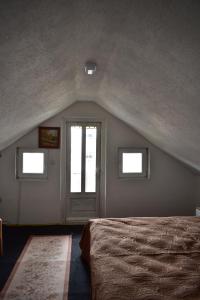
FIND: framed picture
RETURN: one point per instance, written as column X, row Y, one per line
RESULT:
column 49, row 137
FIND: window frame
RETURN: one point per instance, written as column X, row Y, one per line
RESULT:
column 19, row 164
column 145, row 162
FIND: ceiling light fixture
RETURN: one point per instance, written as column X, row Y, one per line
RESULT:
column 90, row 68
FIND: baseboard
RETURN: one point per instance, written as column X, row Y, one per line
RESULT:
column 69, row 221
column 34, row 225
column 77, row 221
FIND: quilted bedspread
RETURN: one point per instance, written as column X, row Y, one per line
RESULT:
column 143, row 258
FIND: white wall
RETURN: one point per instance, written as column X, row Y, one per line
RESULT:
column 171, row 189
column 198, row 192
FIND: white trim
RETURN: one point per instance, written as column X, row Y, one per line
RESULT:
column 63, row 171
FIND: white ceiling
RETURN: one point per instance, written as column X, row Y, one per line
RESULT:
column 148, row 56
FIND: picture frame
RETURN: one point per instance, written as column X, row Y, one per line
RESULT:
column 49, row 137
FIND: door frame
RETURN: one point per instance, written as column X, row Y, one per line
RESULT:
column 64, row 197
column 83, row 195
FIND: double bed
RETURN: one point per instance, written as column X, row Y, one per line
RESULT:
column 143, row 258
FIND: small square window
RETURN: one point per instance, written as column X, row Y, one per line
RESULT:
column 133, row 162
column 31, row 163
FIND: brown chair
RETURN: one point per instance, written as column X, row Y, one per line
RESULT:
column 1, row 238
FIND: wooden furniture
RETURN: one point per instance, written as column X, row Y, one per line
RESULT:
column 198, row 211
column 1, row 238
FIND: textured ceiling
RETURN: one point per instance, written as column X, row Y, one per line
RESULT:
column 148, row 56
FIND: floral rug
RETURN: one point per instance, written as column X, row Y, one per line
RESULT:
column 42, row 270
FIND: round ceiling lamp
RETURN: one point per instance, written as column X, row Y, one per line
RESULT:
column 90, row 68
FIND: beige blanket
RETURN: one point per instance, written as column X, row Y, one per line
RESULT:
column 144, row 258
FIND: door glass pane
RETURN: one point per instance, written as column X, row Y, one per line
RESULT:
column 90, row 159
column 76, row 155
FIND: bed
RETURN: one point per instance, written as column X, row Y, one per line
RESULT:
column 143, row 258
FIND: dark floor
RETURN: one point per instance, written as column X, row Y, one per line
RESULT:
column 14, row 239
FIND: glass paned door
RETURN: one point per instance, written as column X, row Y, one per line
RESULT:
column 83, row 144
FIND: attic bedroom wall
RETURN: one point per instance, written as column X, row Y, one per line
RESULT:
column 170, row 190
column 198, row 192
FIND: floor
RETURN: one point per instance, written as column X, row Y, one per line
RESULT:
column 15, row 239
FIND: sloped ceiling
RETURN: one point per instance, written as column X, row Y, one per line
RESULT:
column 148, row 57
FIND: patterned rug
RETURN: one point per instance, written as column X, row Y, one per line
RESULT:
column 42, row 270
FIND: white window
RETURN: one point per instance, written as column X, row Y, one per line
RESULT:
column 31, row 163
column 133, row 162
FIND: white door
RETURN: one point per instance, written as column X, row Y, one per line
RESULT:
column 83, row 170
